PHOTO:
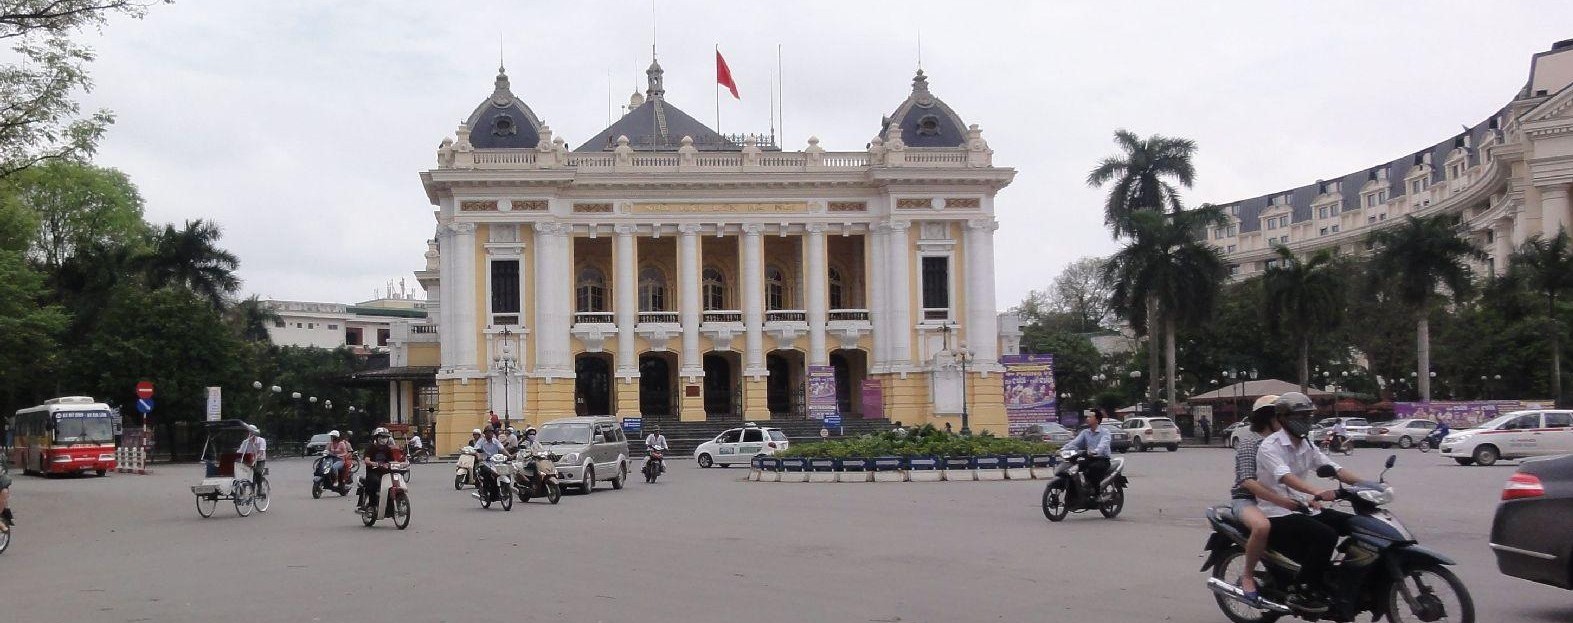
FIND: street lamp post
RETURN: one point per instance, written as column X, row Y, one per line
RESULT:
column 507, row 364
column 962, row 355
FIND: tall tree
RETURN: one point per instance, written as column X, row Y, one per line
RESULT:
column 191, row 257
column 1417, row 256
column 78, row 208
column 1302, row 297
column 39, row 119
column 1143, row 179
column 1169, row 263
column 1080, row 293
column 250, row 318
column 30, row 329
column 1546, row 265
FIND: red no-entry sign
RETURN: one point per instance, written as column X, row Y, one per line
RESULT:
column 144, row 390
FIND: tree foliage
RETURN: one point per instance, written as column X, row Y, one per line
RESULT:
column 1143, row 177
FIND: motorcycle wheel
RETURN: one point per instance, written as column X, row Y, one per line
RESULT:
column 263, row 496
column 1229, row 570
column 553, row 492
column 650, row 472
column 458, row 482
column 316, row 489
column 368, row 516
column 1054, row 506
column 206, row 504
column 486, row 498
column 1114, row 503
column 507, row 501
column 1425, row 445
column 1423, row 582
column 524, row 494
column 401, row 511
column 5, row 541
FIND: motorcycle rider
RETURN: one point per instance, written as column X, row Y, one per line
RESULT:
column 1247, row 490
column 377, row 456
column 655, row 441
column 339, row 455
column 1286, row 462
column 415, row 444
column 529, row 443
column 5, row 496
column 1340, row 433
column 488, row 445
column 1095, row 441
column 475, row 437
column 510, row 440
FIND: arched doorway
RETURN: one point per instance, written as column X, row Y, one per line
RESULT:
column 784, row 387
column 593, row 384
column 657, row 384
column 851, row 367
column 721, row 384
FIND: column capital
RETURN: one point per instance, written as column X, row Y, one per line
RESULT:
column 983, row 224
column 1554, row 191
column 625, row 229
column 899, row 225
column 462, row 228
column 815, row 228
column 753, row 229
column 689, row 229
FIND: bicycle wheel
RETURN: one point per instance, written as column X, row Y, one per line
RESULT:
column 244, row 497
column 206, row 504
column 263, row 490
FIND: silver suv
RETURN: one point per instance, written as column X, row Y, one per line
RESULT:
column 593, row 449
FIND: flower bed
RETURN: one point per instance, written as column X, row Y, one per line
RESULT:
column 924, row 442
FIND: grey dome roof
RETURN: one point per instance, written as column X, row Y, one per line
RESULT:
column 503, row 120
column 657, row 125
column 925, row 120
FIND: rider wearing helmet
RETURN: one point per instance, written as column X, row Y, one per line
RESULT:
column 475, row 437
column 1286, row 462
column 377, row 455
column 510, row 439
column 484, row 449
column 339, row 453
column 528, row 443
column 1247, row 490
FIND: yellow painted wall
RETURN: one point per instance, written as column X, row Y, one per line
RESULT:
column 424, row 354
column 460, row 408
column 548, row 400
column 756, row 405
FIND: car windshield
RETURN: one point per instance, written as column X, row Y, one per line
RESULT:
column 555, row 434
column 84, row 427
column 1162, row 423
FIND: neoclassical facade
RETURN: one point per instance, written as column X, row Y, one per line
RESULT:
column 1509, row 176
column 662, row 270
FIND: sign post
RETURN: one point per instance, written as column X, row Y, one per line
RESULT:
column 145, row 395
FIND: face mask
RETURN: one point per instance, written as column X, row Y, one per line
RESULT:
column 1297, row 425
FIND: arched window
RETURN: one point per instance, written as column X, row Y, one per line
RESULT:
column 775, row 288
column 590, row 290
column 837, row 289
column 652, row 290
column 714, row 288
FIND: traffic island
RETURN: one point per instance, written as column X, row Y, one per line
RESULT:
column 902, row 469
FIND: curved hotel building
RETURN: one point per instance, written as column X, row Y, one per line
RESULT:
column 1508, row 176
column 665, row 271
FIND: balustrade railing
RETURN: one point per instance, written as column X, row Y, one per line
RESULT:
column 423, row 329
column 786, row 315
column 659, row 316
column 723, row 315
column 594, row 317
column 848, row 314
column 730, row 160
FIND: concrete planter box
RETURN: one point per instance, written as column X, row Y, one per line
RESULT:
column 889, row 469
column 822, row 470
column 1018, row 467
column 989, row 468
column 924, row 469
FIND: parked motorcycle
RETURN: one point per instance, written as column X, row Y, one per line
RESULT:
column 1069, row 492
column 1380, row 560
column 325, row 476
column 496, row 470
column 535, row 475
column 464, row 470
column 1433, row 440
column 654, row 465
column 397, row 504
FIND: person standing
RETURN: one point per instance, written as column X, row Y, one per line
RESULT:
column 496, row 422
column 1207, row 430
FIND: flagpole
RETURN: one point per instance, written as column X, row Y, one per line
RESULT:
column 717, row 86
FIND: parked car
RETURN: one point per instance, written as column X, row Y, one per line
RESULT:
column 1152, row 431
column 593, row 449
column 738, row 446
column 1119, row 440
column 1056, row 433
column 316, row 445
column 1230, row 434
column 1356, row 427
column 1404, row 433
column 1530, row 533
column 1520, row 434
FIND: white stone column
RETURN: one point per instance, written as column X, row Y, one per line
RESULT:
column 467, row 320
column 689, row 281
column 900, row 324
column 1554, row 207
column 982, row 317
column 1502, row 248
column 753, row 299
column 553, row 309
column 626, row 299
column 447, row 284
column 878, row 294
column 817, row 274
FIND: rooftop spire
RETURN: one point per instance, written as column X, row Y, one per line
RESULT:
column 654, row 76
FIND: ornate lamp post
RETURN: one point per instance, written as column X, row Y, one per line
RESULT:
column 962, row 355
column 506, row 363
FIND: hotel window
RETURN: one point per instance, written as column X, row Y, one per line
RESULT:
column 775, row 288
column 1381, row 196
column 1417, row 185
column 590, row 291
column 1370, row 219
column 1229, row 249
column 936, row 288
column 383, row 335
column 1381, row 217
column 1491, row 236
column 1335, row 229
column 333, row 327
column 1272, row 223
column 1370, row 200
column 714, row 288
column 1231, row 231
column 652, row 290
column 279, row 324
column 1233, row 270
column 505, row 291
column 1324, row 231
column 837, row 290
column 352, row 336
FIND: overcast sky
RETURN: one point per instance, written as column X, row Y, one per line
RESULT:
column 301, row 127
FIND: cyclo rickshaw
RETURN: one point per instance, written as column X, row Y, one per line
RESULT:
column 228, row 474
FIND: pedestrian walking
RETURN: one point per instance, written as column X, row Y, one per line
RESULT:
column 1207, row 430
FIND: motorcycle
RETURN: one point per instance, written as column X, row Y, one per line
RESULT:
column 397, row 505
column 420, row 455
column 500, row 485
column 1343, row 446
column 464, row 470
column 654, row 465
column 1433, row 440
column 1380, row 561
column 5, row 537
column 1068, row 492
column 325, row 476
column 535, row 475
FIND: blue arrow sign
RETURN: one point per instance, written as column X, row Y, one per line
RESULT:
column 144, row 405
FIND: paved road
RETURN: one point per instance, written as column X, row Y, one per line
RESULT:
column 701, row 545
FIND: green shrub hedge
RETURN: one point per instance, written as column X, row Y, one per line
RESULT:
column 925, row 441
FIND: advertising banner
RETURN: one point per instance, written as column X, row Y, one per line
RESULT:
column 1029, row 391
column 1462, row 414
column 871, row 395
column 822, row 392
column 215, row 403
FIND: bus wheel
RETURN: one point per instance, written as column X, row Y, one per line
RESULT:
column 101, row 473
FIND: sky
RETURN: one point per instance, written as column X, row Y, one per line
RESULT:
column 301, row 126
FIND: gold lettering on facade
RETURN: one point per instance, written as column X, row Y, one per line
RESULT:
column 477, row 206
column 592, row 207
column 847, row 206
column 734, row 208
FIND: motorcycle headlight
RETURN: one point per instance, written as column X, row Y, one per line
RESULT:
column 1377, row 496
column 572, row 458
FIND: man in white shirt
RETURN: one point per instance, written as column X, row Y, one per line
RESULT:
column 656, row 441
column 1286, row 462
column 256, row 446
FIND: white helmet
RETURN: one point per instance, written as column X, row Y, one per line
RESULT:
column 475, row 431
column 334, row 433
column 252, row 428
column 381, row 432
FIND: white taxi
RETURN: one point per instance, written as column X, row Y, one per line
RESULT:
column 740, row 445
column 1519, row 434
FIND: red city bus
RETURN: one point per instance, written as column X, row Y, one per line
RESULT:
column 64, row 436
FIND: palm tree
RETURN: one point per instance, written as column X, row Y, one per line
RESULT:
column 1168, row 267
column 250, row 318
column 1302, row 296
column 1547, row 266
column 1418, row 255
column 191, row 257
column 1144, row 178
